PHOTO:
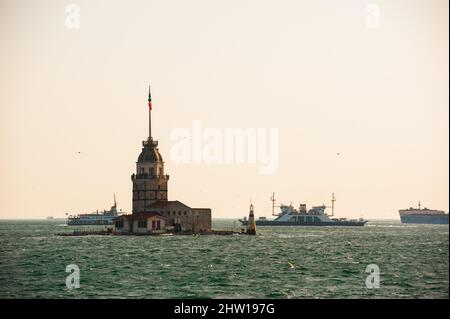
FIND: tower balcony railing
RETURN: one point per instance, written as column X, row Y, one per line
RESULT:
column 146, row 176
column 150, row 141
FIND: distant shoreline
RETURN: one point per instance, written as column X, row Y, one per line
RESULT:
column 217, row 218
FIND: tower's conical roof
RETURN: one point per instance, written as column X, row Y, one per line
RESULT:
column 150, row 153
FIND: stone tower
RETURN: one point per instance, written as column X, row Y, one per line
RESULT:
column 149, row 181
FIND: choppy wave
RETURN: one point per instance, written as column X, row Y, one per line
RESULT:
column 280, row 262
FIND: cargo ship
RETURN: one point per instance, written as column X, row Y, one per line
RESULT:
column 105, row 217
column 423, row 216
column 316, row 216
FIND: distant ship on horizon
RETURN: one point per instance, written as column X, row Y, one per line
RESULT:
column 97, row 218
column 423, row 216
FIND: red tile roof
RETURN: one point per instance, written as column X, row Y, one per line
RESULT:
column 140, row 215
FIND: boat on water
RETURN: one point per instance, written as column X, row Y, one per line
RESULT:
column 105, row 217
column 423, row 216
column 316, row 216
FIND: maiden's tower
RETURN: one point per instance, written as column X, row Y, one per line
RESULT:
column 152, row 210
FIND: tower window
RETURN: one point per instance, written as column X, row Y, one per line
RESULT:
column 152, row 171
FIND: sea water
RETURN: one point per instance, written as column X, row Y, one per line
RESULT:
column 279, row 262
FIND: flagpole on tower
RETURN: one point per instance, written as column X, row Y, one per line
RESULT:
column 149, row 114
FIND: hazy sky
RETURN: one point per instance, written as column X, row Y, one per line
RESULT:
column 319, row 71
